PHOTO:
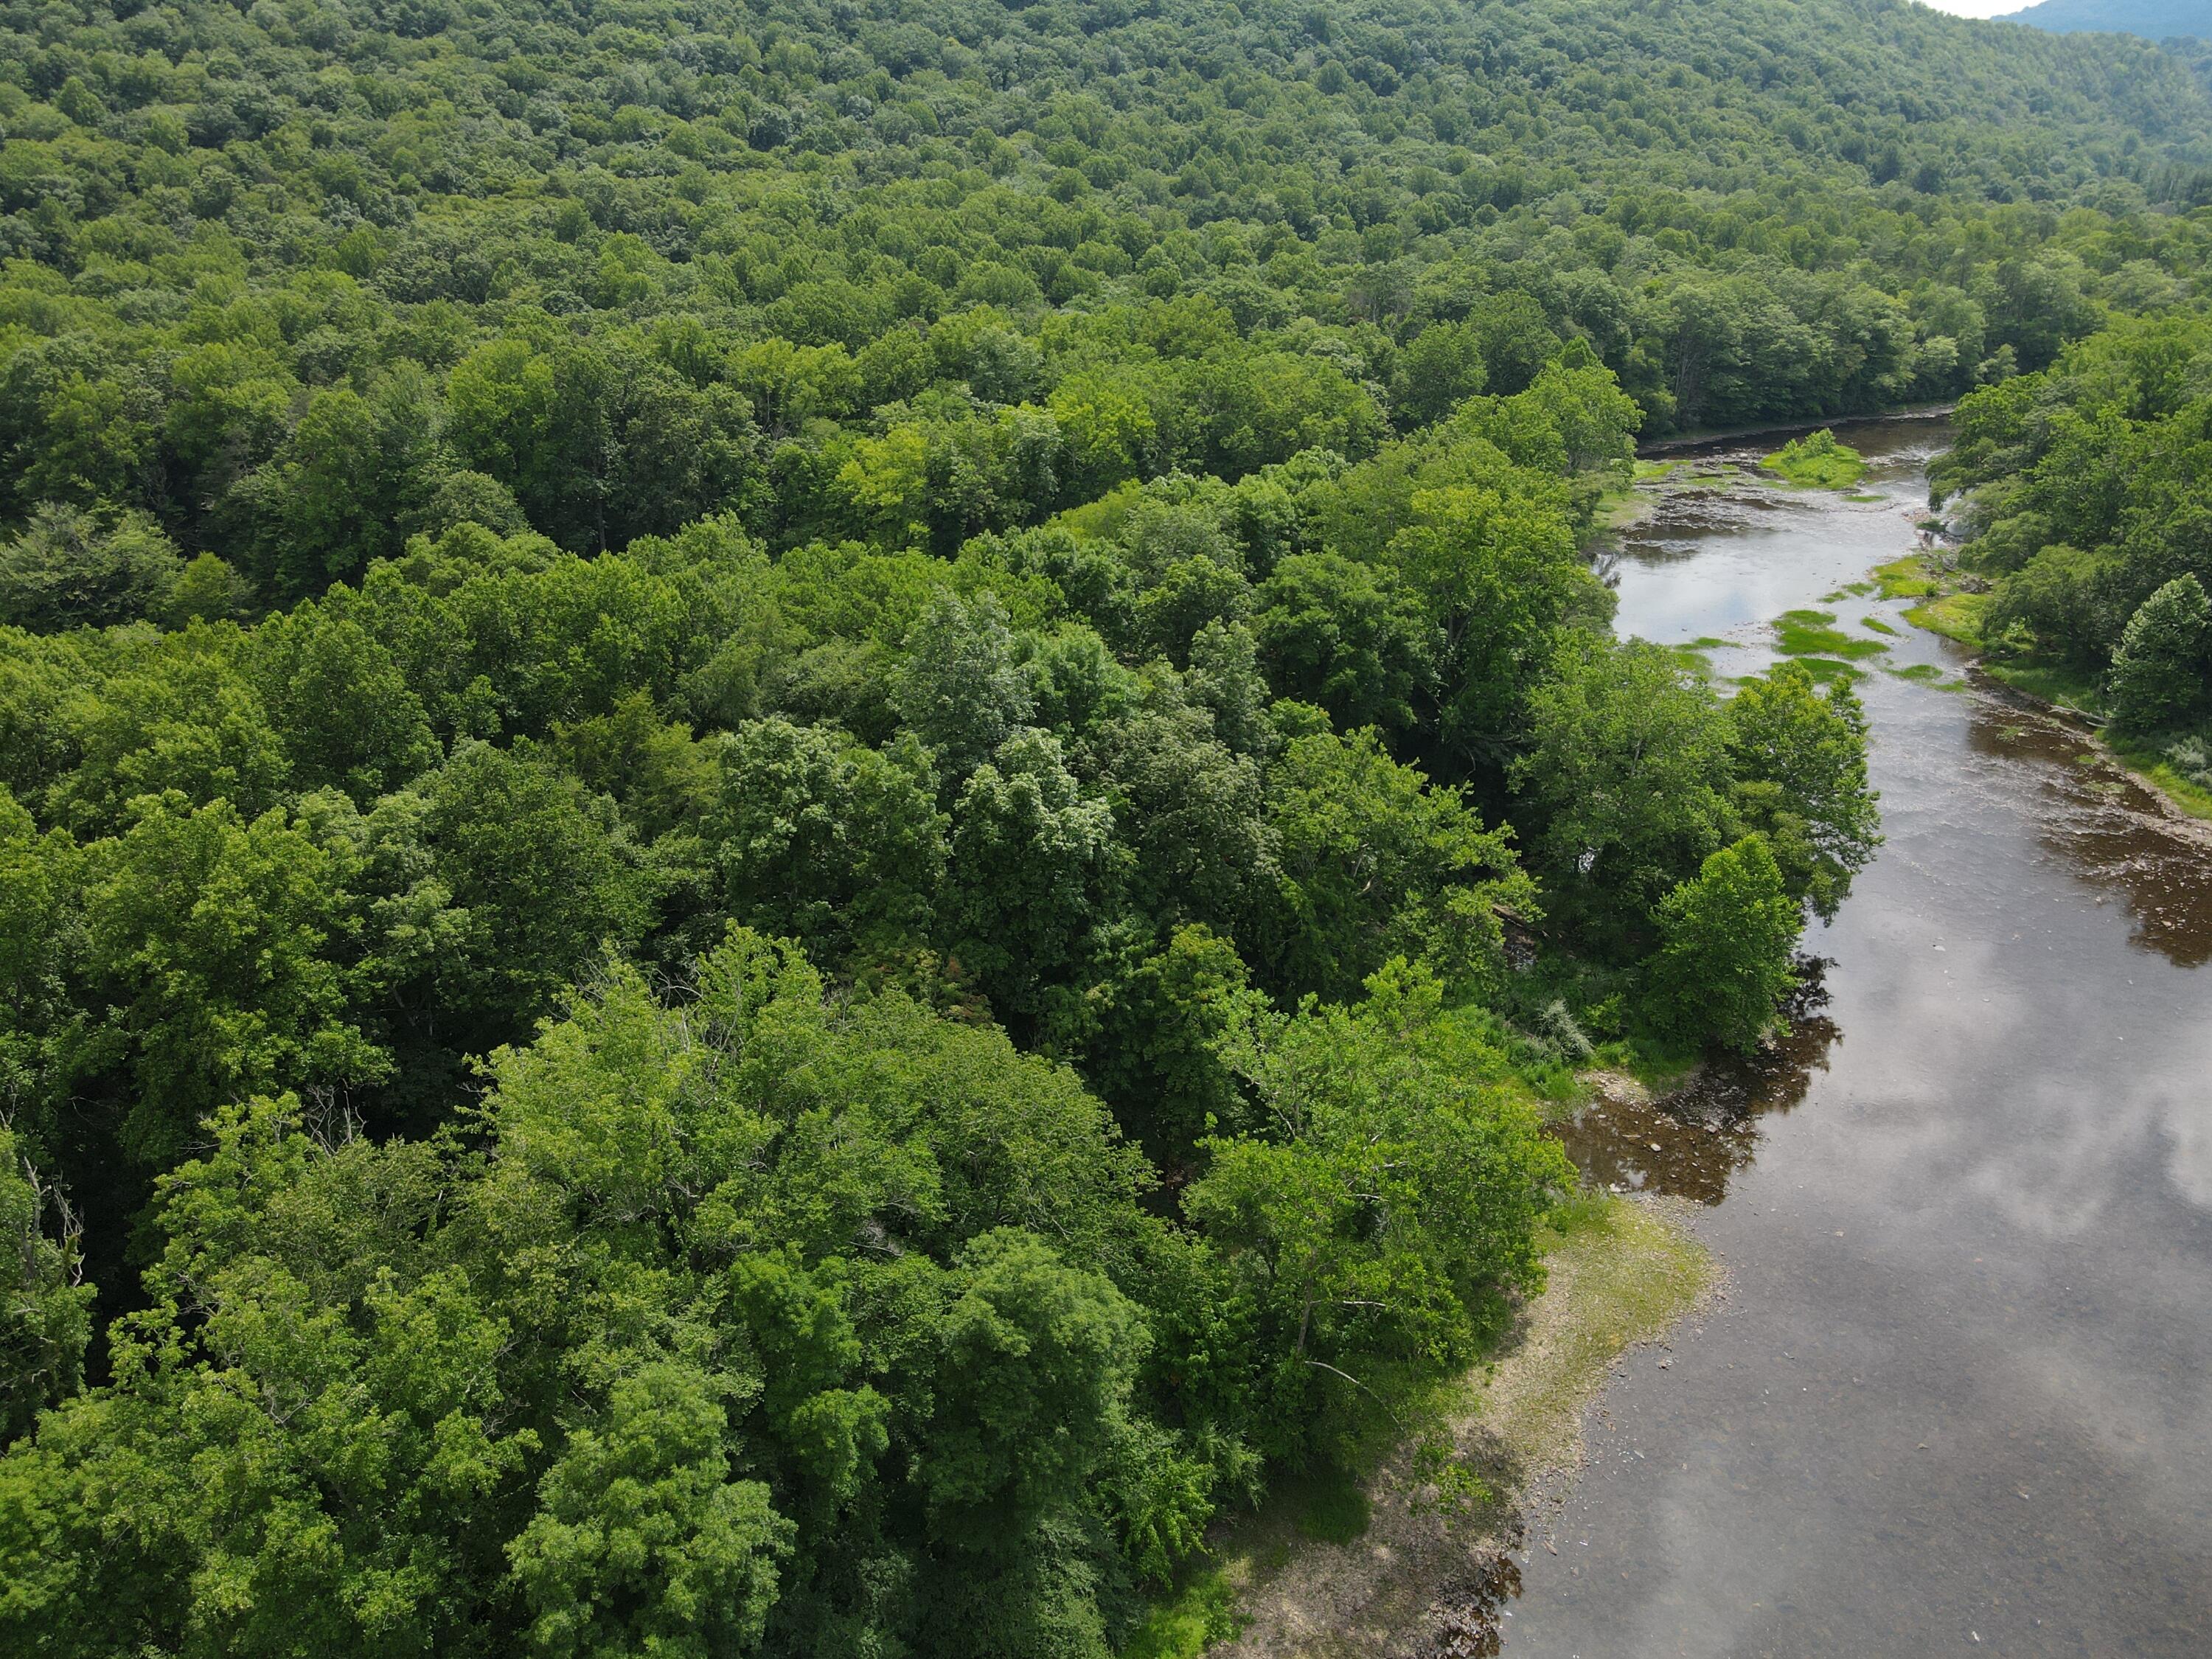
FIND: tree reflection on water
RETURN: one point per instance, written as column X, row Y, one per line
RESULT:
column 1690, row 1143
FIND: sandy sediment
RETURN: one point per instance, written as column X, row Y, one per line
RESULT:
column 1420, row 1582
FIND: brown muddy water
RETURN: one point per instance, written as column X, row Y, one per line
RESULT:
column 1958, row 1397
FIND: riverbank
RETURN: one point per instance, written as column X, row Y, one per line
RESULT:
column 1689, row 443
column 1953, row 1391
column 1391, row 1564
column 1650, row 483
column 1947, row 604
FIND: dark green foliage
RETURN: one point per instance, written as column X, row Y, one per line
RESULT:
column 1626, row 768
column 543, row 869
column 45, row 1317
column 302, row 288
column 1075, row 529
column 1725, row 943
column 1377, row 864
column 2085, row 492
column 66, row 568
column 822, row 840
column 1339, row 634
column 1167, row 1027
column 2162, row 672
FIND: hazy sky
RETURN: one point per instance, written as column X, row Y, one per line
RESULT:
column 1978, row 8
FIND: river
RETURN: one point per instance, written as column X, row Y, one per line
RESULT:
column 1957, row 1394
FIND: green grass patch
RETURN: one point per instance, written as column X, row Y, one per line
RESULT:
column 2053, row 682
column 1826, row 670
column 1955, row 616
column 1660, row 1071
column 1813, row 633
column 1198, row 1614
column 1878, row 625
column 1862, row 497
column 1927, row 674
column 1817, row 462
column 1904, row 579
column 1617, row 509
column 1653, row 471
column 1333, row 1508
column 2190, row 798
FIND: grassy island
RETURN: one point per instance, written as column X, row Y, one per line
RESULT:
column 1817, row 462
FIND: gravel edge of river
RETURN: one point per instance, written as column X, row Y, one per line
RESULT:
column 1623, row 1275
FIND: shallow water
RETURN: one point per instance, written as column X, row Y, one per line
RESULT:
column 1958, row 1396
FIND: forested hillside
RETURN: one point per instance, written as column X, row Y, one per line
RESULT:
column 2155, row 20
column 299, row 286
column 801, row 809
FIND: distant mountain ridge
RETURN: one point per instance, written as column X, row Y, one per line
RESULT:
column 2155, row 20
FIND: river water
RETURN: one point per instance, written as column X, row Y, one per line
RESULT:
column 1957, row 1395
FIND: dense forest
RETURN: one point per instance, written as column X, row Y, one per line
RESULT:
column 2086, row 495
column 802, row 808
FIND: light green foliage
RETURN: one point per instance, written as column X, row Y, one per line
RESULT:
column 1184, row 1626
column 643, row 1543
column 210, row 938
column 2162, row 672
column 1625, row 767
column 2083, row 491
column 207, row 589
column 1725, row 941
column 178, row 714
column 1817, row 462
column 1391, row 1199
column 1798, row 757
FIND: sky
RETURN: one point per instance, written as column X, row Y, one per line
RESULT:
column 1978, row 8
